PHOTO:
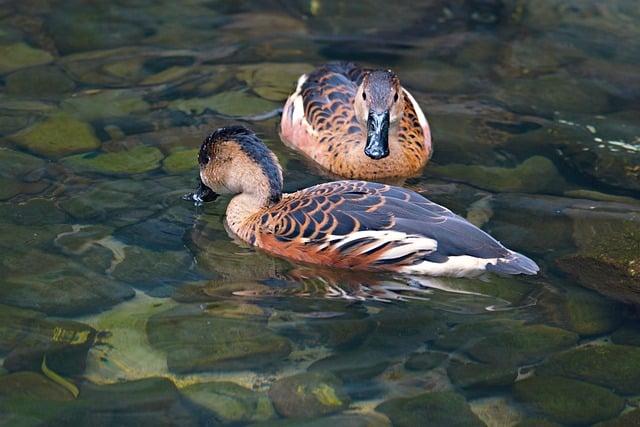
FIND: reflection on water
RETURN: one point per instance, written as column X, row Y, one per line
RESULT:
column 158, row 317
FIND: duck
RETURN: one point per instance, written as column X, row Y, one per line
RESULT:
column 357, row 123
column 347, row 224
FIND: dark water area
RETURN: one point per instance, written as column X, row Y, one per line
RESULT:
column 121, row 304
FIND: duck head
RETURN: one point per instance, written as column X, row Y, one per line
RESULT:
column 379, row 106
column 234, row 160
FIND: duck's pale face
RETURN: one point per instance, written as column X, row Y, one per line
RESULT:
column 379, row 105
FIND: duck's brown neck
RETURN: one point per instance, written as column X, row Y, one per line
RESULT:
column 256, row 192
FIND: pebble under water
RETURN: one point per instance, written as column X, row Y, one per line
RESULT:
column 121, row 304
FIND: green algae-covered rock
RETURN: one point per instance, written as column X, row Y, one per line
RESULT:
column 106, row 200
column 537, row 422
column 273, row 81
column 480, row 375
column 308, row 395
column 537, row 174
column 147, row 402
column 582, row 311
column 181, row 161
column 146, row 268
column 425, row 360
column 16, row 235
column 136, row 160
column 195, row 341
column 38, row 82
column 229, row 402
column 342, row 420
column 608, row 259
column 9, row 188
column 568, row 401
column 627, row 335
column 506, row 342
column 56, row 285
column 21, row 55
column 352, row 366
column 31, row 399
column 57, row 136
column 26, row 337
column 15, row 163
column 35, row 211
column 430, row 409
column 613, row 366
column 522, row 344
column 628, row 419
column 231, row 103
column 551, row 93
column 103, row 104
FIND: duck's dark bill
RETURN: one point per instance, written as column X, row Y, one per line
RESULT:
column 201, row 195
column 377, row 135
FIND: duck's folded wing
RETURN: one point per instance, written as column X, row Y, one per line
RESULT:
column 328, row 91
column 354, row 222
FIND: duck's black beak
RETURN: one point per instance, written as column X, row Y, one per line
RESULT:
column 201, row 195
column 377, row 135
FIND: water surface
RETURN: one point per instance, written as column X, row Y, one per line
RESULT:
column 121, row 304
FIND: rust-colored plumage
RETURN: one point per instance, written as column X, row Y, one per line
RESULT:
column 357, row 225
column 328, row 119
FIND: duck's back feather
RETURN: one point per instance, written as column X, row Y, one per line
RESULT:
column 363, row 225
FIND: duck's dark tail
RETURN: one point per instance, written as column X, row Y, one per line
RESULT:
column 514, row 263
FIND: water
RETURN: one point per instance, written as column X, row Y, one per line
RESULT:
column 121, row 304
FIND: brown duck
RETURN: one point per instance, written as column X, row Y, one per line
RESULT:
column 357, row 123
column 347, row 224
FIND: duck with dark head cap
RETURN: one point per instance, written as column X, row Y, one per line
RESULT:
column 356, row 225
column 357, row 123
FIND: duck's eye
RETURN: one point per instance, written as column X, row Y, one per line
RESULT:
column 364, row 96
column 395, row 97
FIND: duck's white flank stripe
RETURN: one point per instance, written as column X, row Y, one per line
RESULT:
column 410, row 243
column 455, row 266
column 421, row 118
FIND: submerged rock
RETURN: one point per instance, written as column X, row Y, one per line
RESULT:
column 425, row 361
column 144, row 268
column 608, row 259
column 480, row 375
column 35, row 211
column 26, row 338
column 29, row 398
column 505, row 342
column 21, row 55
column 102, row 104
column 308, row 395
column 230, row 403
column 57, row 136
column 581, row 311
column 568, row 401
column 136, row 160
column 438, row 409
column 56, row 285
column 181, row 161
column 616, row 367
column 522, row 344
column 628, row 419
column 352, row 366
column 146, row 402
column 550, row 93
column 231, row 103
column 17, row 164
column 535, row 175
column 273, row 81
column 39, row 82
column 196, row 341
